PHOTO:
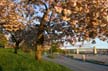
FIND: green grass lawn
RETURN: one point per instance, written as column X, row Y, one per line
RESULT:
column 25, row 62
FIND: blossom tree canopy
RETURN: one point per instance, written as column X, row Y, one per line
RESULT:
column 54, row 19
column 86, row 18
column 8, row 17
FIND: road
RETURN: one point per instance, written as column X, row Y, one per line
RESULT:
column 77, row 65
column 100, row 58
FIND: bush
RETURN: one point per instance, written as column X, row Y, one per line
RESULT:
column 3, row 40
column 55, row 49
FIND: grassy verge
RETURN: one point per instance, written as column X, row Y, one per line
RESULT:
column 25, row 62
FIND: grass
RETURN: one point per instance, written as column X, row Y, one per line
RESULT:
column 25, row 62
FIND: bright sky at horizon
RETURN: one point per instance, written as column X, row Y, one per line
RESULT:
column 99, row 44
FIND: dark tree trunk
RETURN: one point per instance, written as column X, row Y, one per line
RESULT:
column 16, row 43
column 16, row 47
column 40, row 41
column 40, row 36
column 15, row 50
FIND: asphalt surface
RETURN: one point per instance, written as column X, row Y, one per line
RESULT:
column 76, row 65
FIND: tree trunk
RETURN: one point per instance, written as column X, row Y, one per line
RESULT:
column 40, row 36
column 15, row 50
column 38, row 52
column 16, row 47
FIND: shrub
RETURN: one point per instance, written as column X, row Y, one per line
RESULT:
column 3, row 40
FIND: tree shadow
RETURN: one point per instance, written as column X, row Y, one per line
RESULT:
column 22, row 55
column 1, row 68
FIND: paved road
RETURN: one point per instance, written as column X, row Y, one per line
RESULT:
column 78, row 65
column 101, row 58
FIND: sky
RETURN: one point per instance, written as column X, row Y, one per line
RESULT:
column 99, row 44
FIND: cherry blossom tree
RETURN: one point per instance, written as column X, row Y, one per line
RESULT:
column 79, row 19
